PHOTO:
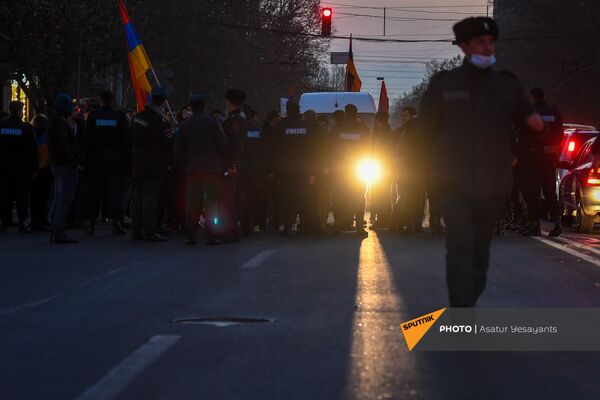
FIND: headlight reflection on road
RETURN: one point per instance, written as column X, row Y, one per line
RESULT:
column 378, row 358
column 369, row 170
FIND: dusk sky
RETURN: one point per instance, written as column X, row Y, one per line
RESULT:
column 402, row 64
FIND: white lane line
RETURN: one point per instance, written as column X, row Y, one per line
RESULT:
column 258, row 259
column 575, row 244
column 33, row 304
column 569, row 250
column 125, row 372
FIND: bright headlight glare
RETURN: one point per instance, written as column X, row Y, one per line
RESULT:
column 369, row 170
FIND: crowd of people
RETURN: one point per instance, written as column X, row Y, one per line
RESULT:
column 225, row 174
column 229, row 175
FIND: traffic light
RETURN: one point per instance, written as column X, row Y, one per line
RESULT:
column 326, row 14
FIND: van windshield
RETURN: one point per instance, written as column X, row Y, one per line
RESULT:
column 367, row 118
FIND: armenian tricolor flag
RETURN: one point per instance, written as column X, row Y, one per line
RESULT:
column 352, row 82
column 139, row 63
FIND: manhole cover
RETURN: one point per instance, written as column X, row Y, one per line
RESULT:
column 221, row 321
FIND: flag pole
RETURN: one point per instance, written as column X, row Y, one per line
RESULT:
column 167, row 101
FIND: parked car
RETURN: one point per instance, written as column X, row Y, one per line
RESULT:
column 575, row 137
column 579, row 190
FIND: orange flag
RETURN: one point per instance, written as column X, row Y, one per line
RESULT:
column 352, row 82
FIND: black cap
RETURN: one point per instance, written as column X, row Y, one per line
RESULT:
column 473, row 27
column 236, row 96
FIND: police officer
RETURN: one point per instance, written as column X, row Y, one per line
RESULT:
column 467, row 116
column 18, row 163
column 295, row 169
column 236, row 130
column 200, row 147
column 350, row 144
column 381, row 199
column 251, row 174
column 150, row 132
column 537, row 159
column 107, row 151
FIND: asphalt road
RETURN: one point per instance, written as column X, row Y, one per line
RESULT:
column 95, row 320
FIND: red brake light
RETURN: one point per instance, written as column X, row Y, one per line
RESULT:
column 571, row 147
column 593, row 178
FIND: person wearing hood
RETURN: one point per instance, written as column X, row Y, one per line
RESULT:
column 18, row 163
column 467, row 117
column 65, row 160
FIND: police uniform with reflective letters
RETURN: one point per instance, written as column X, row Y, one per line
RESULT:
column 295, row 143
column 18, row 161
column 107, row 150
column 467, row 115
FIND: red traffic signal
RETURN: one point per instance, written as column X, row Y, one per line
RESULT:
column 326, row 14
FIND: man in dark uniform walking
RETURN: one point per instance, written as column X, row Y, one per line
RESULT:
column 467, row 115
column 537, row 159
column 150, row 131
column 18, row 163
column 107, row 150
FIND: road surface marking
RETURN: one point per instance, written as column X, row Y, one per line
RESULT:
column 258, row 259
column 33, row 304
column 124, row 373
column 100, row 278
column 575, row 244
column 569, row 250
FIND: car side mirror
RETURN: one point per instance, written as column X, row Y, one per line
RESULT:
column 565, row 164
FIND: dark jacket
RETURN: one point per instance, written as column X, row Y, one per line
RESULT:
column 18, row 152
column 295, row 147
column 546, row 143
column 236, row 130
column 150, row 153
column 62, row 146
column 351, row 142
column 107, row 139
column 200, row 144
column 254, row 161
column 467, row 117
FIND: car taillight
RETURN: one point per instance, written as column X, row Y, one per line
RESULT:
column 571, row 147
column 593, row 177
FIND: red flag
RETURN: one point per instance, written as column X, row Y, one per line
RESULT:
column 384, row 101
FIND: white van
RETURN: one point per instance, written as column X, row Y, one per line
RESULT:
column 326, row 103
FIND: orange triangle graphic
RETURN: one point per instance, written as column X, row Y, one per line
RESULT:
column 416, row 328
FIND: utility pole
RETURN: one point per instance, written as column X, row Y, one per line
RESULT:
column 384, row 14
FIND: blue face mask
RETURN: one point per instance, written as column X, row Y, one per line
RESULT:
column 482, row 62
